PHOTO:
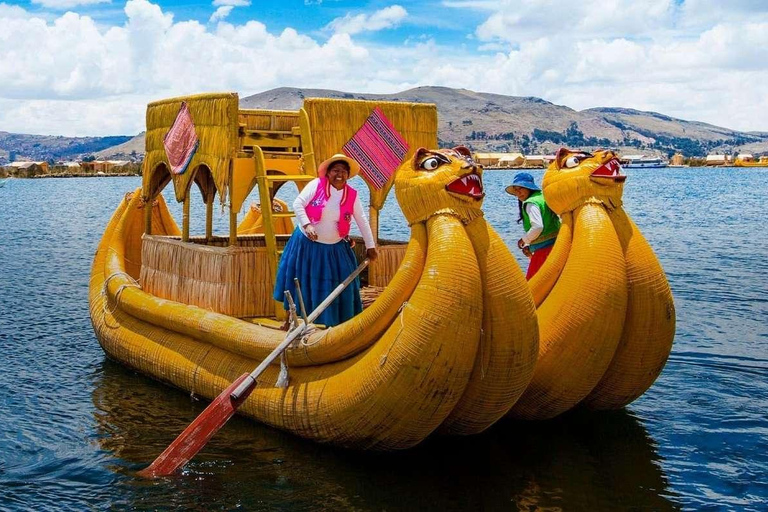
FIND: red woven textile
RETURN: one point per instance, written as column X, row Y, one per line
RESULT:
column 378, row 148
column 181, row 141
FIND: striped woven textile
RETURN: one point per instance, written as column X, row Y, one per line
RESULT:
column 181, row 141
column 378, row 148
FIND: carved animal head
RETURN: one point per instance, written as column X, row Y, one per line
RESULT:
column 440, row 181
column 577, row 177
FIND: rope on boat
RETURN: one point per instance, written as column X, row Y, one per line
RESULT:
column 293, row 321
column 105, row 296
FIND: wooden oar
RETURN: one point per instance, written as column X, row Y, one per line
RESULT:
column 210, row 421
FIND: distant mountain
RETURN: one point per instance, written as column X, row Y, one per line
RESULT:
column 486, row 121
column 494, row 122
column 15, row 146
column 128, row 150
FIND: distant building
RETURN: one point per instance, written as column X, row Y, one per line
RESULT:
column 103, row 166
column 745, row 157
column 488, row 159
column 28, row 168
column 677, row 159
column 510, row 160
column 714, row 160
column 538, row 160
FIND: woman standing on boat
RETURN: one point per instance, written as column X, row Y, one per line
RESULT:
column 540, row 223
column 318, row 253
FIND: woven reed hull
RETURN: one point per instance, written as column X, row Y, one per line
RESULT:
column 607, row 322
column 388, row 394
column 649, row 327
column 580, row 321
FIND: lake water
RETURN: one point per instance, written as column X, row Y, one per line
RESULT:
column 75, row 426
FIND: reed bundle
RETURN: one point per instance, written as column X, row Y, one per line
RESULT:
column 216, row 124
column 233, row 280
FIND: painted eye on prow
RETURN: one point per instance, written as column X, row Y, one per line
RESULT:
column 430, row 164
column 572, row 161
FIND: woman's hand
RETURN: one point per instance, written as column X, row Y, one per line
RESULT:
column 520, row 244
column 372, row 254
column 309, row 230
column 527, row 251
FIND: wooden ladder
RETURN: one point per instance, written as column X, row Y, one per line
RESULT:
column 266, row 183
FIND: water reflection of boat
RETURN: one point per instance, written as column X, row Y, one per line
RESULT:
column 577, row 462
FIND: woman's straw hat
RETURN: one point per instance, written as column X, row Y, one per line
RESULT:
column 354, row 167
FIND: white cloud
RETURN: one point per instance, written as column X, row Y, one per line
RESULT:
column 12, row 12
column 67, row 4
column 72, row 76
column 221, row 13
column 520, row 20
column 388, row 17
column 703, row 13
column 225, row 8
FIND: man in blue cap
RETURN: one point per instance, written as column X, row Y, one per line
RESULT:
column 540, row 223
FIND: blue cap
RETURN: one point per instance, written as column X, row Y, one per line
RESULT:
column 522, row 179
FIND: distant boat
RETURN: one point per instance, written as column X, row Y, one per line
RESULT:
column 644, row 162
column 746, row 162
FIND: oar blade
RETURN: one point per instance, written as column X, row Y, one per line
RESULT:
column 197, row 434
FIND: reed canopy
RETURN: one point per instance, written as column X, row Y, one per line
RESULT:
column 215, row 118
column 228, row 134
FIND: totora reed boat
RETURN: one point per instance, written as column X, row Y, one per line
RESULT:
column 455, row 340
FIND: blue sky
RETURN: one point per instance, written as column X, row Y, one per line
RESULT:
column 88, row 67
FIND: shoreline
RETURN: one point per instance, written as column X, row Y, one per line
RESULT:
column 80, row 175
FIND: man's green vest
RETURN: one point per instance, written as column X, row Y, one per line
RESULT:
column 548, row 217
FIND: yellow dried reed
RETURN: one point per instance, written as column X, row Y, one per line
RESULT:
column 233, row 280
column 333, row 122
column 216, row 124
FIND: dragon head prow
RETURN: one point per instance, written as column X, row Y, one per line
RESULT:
column 577, row 177
column 438, row 181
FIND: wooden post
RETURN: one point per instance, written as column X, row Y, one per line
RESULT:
column 307, row 149
column 185, row 219
column 232, row 227
column 209, row 218
column 232, row 213
column 373, row 213
column 148, row 216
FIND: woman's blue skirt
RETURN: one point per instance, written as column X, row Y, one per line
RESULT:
column 320, row 269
